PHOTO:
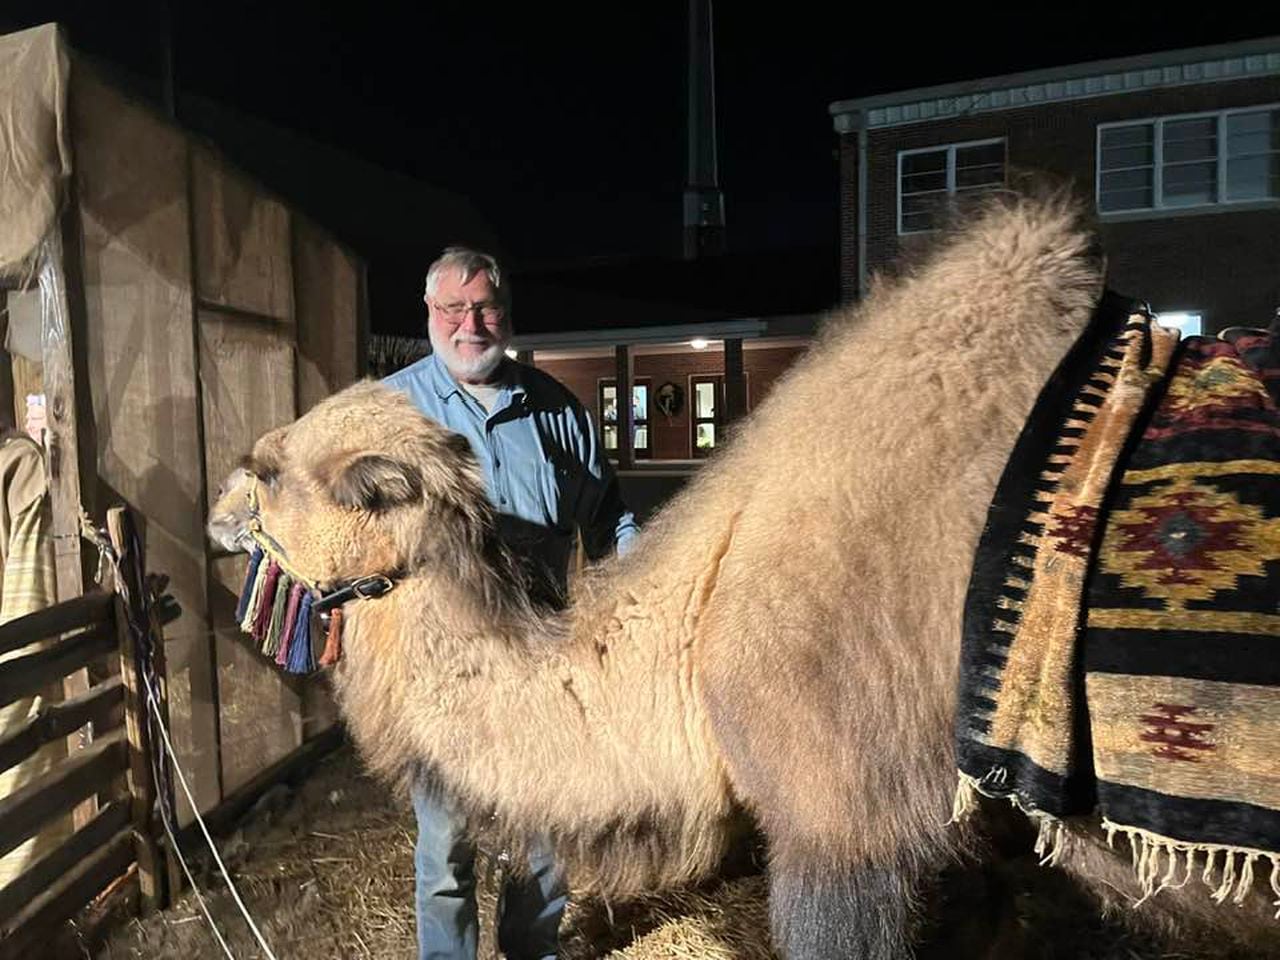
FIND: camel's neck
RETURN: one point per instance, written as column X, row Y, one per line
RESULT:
column 553, row 718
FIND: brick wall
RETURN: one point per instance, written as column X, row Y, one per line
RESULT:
column 1219, row 261
column 671, row 437
column 848, row 217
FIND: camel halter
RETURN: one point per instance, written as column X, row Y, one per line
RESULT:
column 279, row 607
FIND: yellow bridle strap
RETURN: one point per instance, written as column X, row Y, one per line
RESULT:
column 267, row 543
column 273, row 552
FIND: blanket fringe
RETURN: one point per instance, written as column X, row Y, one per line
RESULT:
column 1052, row 838
column 965, row 803
column 1228, row 871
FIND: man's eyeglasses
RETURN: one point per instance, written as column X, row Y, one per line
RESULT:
column 458, row 309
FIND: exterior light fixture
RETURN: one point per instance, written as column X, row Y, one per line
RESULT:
column 698, row 343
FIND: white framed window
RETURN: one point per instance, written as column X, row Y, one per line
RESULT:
column 1190, row 323
column 927, row 177
column 1189, row 160
column 607, row 404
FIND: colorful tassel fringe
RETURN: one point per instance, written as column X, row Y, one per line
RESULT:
column 301, row 659
column 333, row 640
column 242, row 608
column 290, row 621
column 276, row 611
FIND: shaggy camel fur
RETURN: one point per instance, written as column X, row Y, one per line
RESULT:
column 784, row 635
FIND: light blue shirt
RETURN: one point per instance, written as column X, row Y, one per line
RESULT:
column 544, row 466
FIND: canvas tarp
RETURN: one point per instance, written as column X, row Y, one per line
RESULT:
column 35, row 156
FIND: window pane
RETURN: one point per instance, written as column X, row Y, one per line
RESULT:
column 923, row 172
column 934, row 160
column 1190, row 183
column 1115, row 158
column 611, row 438
column 987, row 175
column 706, row 436
column 1254, row 178
column 922, row 202
column 924, row 182
column 979, row 166
column 917, row 222
column 1128, row 179
column 918, row 211
column 1127, row 156
column 642, row 438
column 1190, row 139
column 1135, row 135
column 1124, row 200
column 640, row 402
column 1253, row 133
column 983, row 153
column 1126, row 190
column 609, row 404
column 1253, row 151
column 705, row 405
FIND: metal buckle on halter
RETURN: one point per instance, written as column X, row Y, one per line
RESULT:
column 365, row 588
column 372, row 587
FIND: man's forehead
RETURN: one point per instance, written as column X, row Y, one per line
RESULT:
column 452, row 280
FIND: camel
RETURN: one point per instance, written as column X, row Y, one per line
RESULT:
column 783, row 638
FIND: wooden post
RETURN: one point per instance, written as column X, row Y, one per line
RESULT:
column 160, row 678
column 130, row 615
column 71, row 448
column 735, row 383
column 625, row 367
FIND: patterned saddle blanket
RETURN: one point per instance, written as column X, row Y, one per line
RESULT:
column 1121, row 651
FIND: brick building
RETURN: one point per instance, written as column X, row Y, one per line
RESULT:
column 1179, row 151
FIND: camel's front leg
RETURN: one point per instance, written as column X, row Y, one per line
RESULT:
column 827, row 911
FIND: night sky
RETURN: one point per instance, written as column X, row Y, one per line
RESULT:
column 564, row 122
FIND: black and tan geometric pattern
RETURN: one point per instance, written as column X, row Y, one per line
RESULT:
column 1154, row 700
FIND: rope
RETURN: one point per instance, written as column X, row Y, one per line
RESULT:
column 142, row 648
column 154, row 710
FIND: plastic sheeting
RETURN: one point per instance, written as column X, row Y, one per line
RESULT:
column 35, row 157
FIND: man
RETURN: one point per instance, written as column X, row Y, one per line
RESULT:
column 546, row 474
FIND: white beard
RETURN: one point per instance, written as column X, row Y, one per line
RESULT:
column 472, row 367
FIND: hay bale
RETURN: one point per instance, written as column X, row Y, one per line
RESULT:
column 729, row 922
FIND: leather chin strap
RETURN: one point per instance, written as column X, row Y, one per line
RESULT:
column 365, row 588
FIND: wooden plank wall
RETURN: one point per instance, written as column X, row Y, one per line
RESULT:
column 329, row 304
column 245, row 316
column 131, row 172
column 211, row 313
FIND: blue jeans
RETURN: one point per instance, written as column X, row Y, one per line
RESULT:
column 529, row 910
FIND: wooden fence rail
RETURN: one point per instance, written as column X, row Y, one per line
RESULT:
column 115, row 768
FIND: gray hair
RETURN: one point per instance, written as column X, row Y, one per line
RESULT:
column 468, row 262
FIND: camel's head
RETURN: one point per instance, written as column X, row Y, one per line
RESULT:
column 235, row 504
column 364, row 484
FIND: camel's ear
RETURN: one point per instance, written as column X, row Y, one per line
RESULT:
column 372, row 482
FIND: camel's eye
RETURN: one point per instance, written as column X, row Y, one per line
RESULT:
column 266, row 472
